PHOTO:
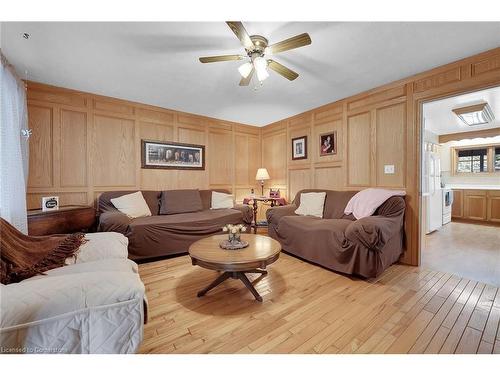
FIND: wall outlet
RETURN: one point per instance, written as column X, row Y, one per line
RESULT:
column 389, row 169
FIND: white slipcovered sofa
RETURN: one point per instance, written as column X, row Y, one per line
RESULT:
column 94, row 304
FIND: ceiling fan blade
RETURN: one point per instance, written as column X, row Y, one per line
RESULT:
column 246, row 81
column 290, row 43
column 211, row 59
column 241, row 33
column 283, row 70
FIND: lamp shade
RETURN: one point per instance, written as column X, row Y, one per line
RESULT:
column 262, row 174
column 260, row 65
column 245, row 69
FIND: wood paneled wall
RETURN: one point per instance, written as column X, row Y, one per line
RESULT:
column 375, row 128
column 84, row 144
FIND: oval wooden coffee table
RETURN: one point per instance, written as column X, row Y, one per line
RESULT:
column 260, row 252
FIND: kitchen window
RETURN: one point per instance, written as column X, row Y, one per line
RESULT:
column 476, row 160
column 472, row 161
column 496, row 160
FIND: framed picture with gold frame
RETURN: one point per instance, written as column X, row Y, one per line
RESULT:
column 172, row 155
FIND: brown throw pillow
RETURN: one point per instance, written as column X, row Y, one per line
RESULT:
column 180, row 201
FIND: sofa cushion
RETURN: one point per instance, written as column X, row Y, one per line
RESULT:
column 311, row 204
column 335, row 203
column 104, row 265
column 150, row 196
column 311, row 237
column 101, row 246
column 173, row 234
column 51, row 297
column 180, row 201
column 221, row 200
column 206, row 197
column 194, row 221
column 133, row 205
column 298, row 226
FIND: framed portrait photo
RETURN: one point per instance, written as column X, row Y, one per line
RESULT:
column 328, row 144
column 172, row 155
column 299, row 148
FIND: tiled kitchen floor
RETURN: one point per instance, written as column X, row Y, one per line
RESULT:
column 467, row 250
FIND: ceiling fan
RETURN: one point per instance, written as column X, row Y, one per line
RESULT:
column 256, row 47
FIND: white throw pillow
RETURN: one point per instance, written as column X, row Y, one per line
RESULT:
column 311, row 204
column 133, row 205
column 222, row 200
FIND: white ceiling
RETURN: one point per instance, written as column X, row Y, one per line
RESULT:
column 440, row 119
column 157, row 63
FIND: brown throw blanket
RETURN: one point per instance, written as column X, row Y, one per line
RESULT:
column 25, row 256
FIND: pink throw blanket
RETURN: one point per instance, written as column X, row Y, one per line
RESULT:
column 366, row 202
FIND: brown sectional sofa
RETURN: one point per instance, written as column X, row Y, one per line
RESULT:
column 339, row 242
column 160, row 235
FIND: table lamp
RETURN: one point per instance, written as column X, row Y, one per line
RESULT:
column 262, row 175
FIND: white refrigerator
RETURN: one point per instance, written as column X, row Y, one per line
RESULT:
column 431, row 188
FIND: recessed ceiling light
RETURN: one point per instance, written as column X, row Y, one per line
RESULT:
column 476, row 114
column 26, row 35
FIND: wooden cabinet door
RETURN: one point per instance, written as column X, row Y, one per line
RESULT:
column 475, row 204
column 457, row 208
column 494, row 205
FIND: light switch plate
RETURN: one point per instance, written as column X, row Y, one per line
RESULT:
column 389, row 169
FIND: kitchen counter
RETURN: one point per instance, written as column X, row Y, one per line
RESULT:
column 472, row 187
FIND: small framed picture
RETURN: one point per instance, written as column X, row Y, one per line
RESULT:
column 299, row 148
column 328, row 144
column 172, row 155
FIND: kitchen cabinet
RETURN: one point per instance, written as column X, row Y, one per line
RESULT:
column 457, row 208
column 475, row 202
column 494, row 206
column 477, row 205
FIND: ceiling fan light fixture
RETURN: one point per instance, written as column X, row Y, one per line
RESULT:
column 245, row 69
column 260, row 65
column 256, row 47
column 262, row 75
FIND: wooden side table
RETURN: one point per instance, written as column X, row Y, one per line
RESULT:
column 67, row 219
column 255, row 200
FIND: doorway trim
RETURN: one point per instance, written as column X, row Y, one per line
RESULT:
column 463, row 87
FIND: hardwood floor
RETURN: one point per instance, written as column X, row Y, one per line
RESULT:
column 468, row 250
column 308, row 309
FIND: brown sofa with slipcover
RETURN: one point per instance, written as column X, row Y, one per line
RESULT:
column 179, row 218
column 364, row 247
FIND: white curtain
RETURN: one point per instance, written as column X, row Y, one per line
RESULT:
column 13, row 148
